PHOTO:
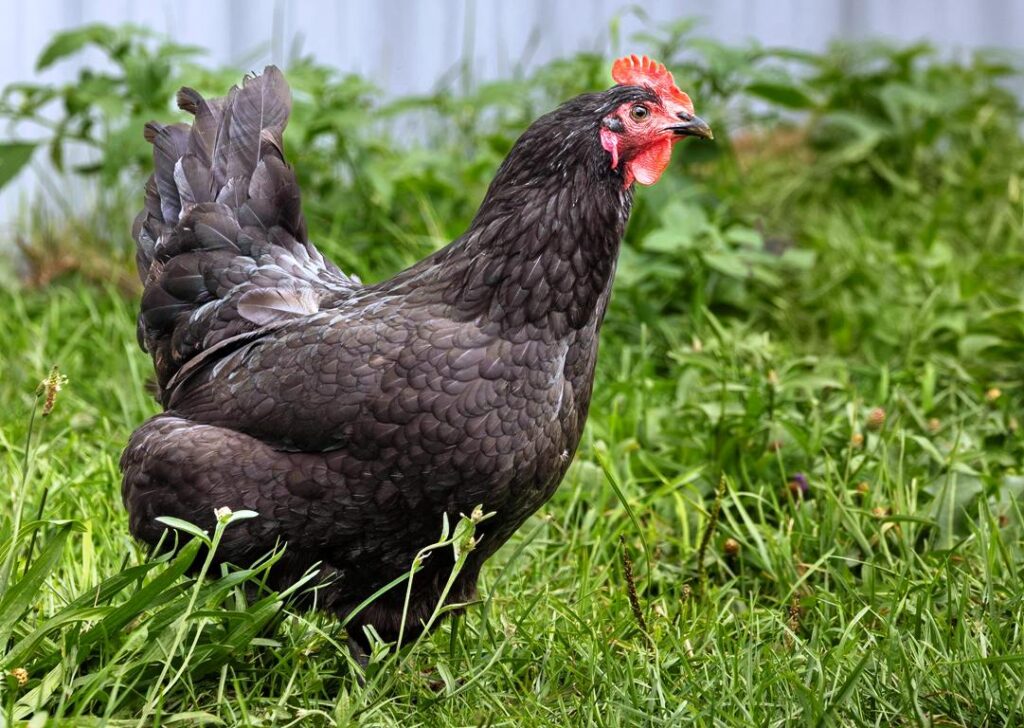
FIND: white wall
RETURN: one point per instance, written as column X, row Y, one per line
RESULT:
column 405, row 45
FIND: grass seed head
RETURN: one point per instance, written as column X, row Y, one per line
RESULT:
column 50, row 387
column 20, row 674
column 993, row 394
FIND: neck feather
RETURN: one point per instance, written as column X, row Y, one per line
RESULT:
column 541, row 250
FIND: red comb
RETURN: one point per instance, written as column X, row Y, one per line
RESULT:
column 642, row 71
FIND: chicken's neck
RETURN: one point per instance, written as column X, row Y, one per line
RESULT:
column 541, row 251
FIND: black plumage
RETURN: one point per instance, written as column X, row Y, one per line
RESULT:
column 352, row 417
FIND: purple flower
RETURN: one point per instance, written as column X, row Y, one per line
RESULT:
column 798, row 485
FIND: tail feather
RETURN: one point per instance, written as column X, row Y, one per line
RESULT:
column 169, row 144
column 194, row 181
column 221, row 242
column 262, row 105
column 207, row 122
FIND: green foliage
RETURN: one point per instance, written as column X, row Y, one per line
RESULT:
column 102, row 110
column 13, row 156
column 852, row 241
column 900, row 118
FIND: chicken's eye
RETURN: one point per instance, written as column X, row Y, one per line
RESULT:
column 639, row 113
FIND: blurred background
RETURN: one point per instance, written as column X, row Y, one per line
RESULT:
column 403, row 110
column 845, row 131
column 407, row 47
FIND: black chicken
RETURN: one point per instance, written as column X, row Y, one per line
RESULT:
column 352, row 417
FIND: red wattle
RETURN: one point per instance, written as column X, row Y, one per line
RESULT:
column 648, row 165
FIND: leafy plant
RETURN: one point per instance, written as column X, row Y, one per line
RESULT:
column 13, row 156
column 101, row 111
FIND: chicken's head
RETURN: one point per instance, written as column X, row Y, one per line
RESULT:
column 639, row 133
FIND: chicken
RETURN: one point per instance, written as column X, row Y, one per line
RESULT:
column 352, row 418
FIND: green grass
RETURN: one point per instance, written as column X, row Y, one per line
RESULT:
column 888, row 593
column 888, row 605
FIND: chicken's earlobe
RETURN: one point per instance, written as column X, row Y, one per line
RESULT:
column 610, row 142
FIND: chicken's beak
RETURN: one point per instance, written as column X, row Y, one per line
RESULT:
column 692, row 126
